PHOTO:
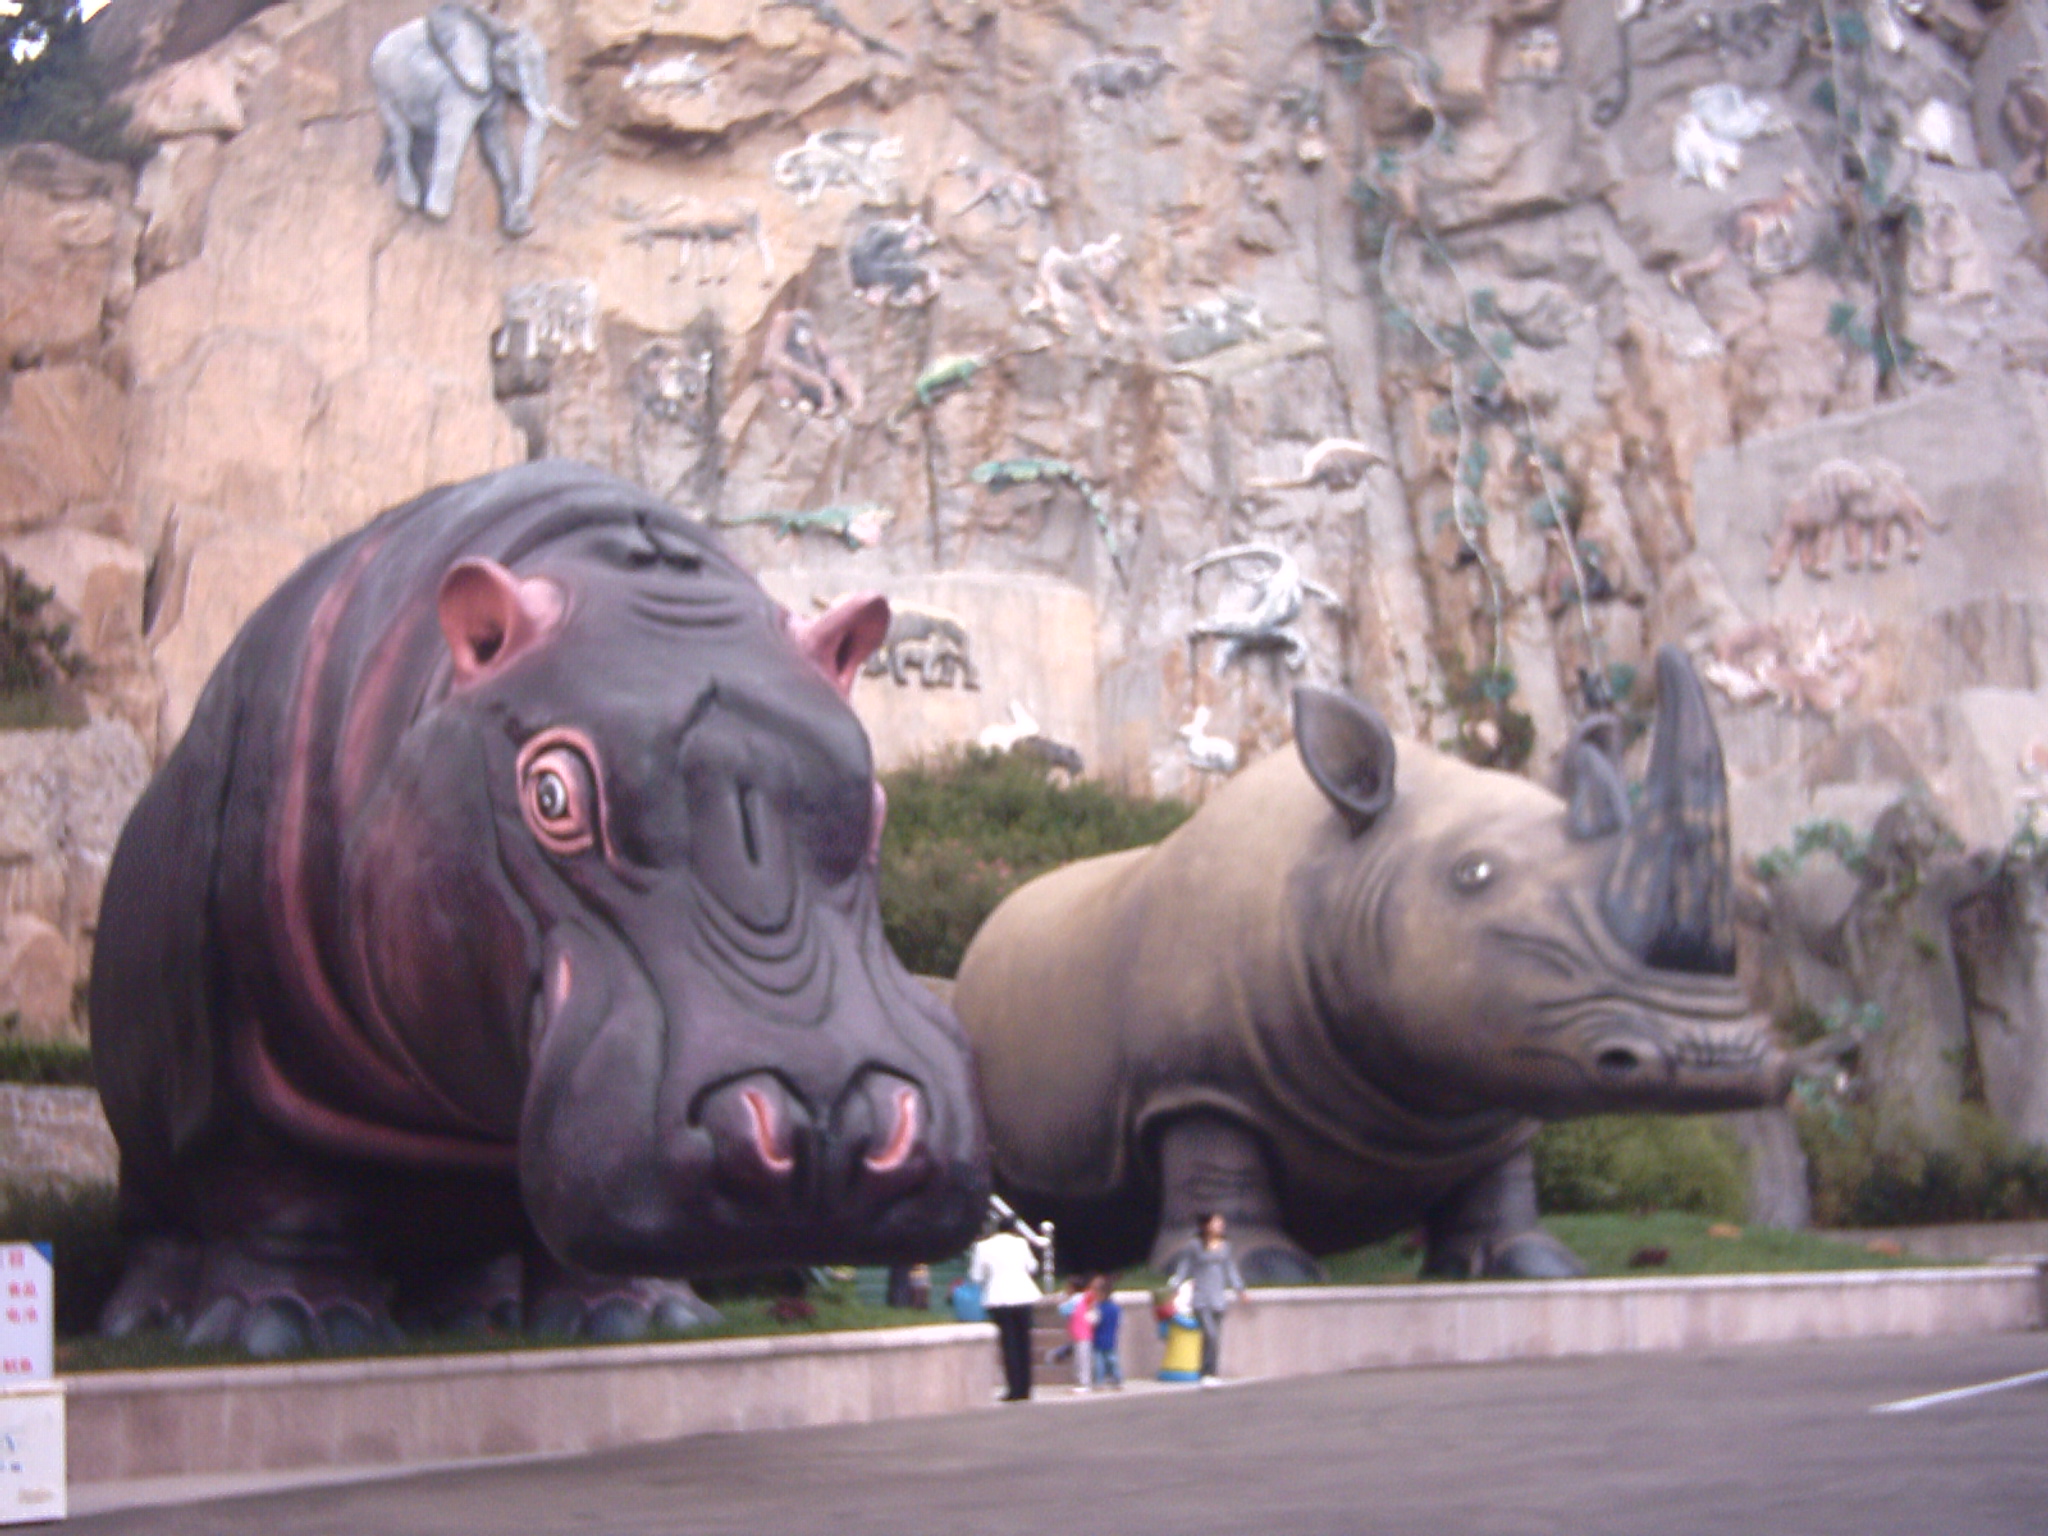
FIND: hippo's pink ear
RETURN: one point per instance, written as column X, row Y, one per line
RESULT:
column 1348, row 751
column 843, row 636
column 490, row 616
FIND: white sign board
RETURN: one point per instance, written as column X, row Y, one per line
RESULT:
column 31, row 1452
column 28, row 1315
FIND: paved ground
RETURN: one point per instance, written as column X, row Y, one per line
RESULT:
column 1776, row 1441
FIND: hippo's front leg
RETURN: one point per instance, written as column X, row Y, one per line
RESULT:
column 1210, row 1163
column 575, row 1304
column 1488, row 1228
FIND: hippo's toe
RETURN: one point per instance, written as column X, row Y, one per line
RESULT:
column 1534, row 1256
column 156, row 1290
column 610, row 1310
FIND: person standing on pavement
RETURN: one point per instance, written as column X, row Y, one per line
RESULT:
column 1109, row 1365
column 1002, row 1264
column 1078, row 1312
column 1210, row 1268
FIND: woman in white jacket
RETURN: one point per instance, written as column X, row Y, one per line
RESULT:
column 1002, row 1265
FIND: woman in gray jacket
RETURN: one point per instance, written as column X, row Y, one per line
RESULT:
column 1211, row 1268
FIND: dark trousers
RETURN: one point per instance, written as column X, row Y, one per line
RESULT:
column 1211, row 1319
column 1013, row 1325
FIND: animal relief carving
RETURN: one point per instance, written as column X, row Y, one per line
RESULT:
column 1865, row 503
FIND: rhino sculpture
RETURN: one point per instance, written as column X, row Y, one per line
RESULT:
column 1336, row 1003
column 512, row 893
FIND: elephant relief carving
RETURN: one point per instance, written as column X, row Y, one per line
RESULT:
column 445, row 76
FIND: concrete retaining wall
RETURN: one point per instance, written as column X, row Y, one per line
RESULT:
column 54, row 1136
column 128, row 1426
column 1310, row 1332
column 139, row 1424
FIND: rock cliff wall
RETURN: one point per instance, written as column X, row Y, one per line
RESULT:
column 1490, row 342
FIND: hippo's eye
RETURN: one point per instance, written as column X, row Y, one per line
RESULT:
column 550, row 796
column 1472, row 872
column 557, row 794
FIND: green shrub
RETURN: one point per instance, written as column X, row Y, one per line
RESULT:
column 965, row 831
column 1868, row 1172
column 1641, row 1163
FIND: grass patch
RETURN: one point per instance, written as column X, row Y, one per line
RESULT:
column 1609, row 1241
column 43, row 1063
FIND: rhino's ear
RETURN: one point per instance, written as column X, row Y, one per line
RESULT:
column 842, row 637
column 1598, row 797
column 1348, row 751
column 489, row 616
column 1592, row 781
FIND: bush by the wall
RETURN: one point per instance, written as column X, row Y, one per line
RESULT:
column 1641, row 1163
column 1866, row 1172
column 965, row 831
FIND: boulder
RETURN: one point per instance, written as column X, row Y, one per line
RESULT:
column 38, row 972
column 196, row 95
column 173, row 196
column 60, row 226
column 68, row 794
column 219, row 578
column 96, row 582
column 62, row 432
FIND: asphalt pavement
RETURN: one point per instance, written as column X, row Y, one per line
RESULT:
column 1760, row 1441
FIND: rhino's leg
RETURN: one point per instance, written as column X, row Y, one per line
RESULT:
column 1488, row 1227
column 576, row 1304
column 1212, row 1163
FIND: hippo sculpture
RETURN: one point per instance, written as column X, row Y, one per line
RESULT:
column 512, row 893
column 1335, row 1004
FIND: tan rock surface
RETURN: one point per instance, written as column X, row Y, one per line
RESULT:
column 97, row 584
column 1463, row 240
column 62, row 430
column 37, row 973
column 60, row 217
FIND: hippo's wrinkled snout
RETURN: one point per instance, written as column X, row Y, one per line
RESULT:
column 771, row 1151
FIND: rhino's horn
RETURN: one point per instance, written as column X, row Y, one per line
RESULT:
column 1668, row 894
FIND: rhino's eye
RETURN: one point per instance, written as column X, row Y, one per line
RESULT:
column 557, row 793
column 1472, row 872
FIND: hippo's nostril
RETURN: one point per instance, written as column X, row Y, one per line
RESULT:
column 767, row 1133
column 1617, row 1061
column 902, row 1141
column 884, row 1126
column 760, row 1137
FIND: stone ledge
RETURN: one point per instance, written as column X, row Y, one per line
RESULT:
column 133, row 1426
column 130, row 1425
column 1314, row 1331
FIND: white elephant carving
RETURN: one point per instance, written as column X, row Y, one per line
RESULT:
column 447, row 75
